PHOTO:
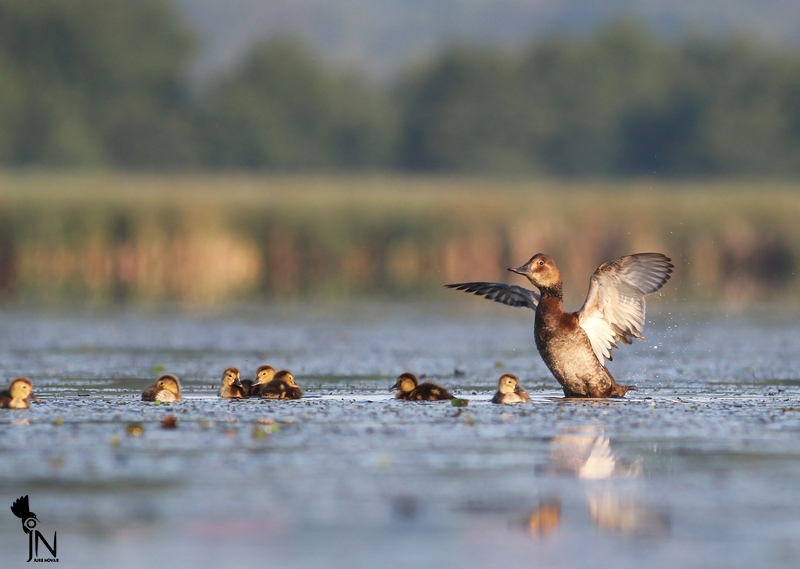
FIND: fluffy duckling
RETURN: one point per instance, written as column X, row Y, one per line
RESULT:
column 410, row 389
column 509, row 391
column 18, row 395
column 282, row 386
column 166, row 389
column 264, row 374
column 575, row 345
column 232, row 387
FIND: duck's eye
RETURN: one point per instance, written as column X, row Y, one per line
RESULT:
column 541, row 263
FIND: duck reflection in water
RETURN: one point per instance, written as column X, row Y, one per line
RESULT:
column 585, row 452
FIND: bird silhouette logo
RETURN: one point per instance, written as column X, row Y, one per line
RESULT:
column 21, row 508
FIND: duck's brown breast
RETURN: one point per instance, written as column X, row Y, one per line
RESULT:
column 551, row 316
column 567, row 352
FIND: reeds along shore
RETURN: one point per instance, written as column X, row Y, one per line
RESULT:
column 205, row 239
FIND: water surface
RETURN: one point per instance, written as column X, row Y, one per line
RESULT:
column 696, row 468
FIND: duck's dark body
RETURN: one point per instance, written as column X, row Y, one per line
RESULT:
column 247, row 386
column 410, row 389
column 428, row 391
column 567, row 352
column 282, row 386
column 280, row 390
column 256, row 389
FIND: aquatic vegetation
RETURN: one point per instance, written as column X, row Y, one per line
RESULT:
column 109, row 238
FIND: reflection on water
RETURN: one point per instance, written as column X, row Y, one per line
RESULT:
column 611, row 511
column 546, row 518
column 585, row 452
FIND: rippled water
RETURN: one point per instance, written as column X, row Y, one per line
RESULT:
column 697, row 468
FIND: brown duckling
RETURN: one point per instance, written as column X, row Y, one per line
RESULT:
column 410, row 389
column 575, row 345
column 282, row 386
column 166, row 389
column 232, row 387
column 509, row 391
column 264, row 374
column 18, row 395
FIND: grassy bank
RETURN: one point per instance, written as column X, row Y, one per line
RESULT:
column 111, row 237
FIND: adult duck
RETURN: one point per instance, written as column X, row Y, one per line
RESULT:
column 574, row 345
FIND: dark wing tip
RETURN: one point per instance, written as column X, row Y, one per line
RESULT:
column 469, row 287
column 510, row 295
column 659, row 267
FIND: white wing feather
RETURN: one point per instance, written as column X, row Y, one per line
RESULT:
column 614, row 310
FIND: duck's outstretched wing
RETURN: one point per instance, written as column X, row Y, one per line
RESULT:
column 511, row 295
column 614, row 308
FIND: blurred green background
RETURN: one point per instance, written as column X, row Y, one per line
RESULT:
column 134, row 173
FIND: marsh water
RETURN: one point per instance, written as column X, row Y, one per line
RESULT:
column 699, row 467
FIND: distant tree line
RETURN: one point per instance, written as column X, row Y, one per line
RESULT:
column 103, row 83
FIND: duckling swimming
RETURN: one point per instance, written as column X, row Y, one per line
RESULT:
column 264, row 374
column 574, row 345
column 282, row 386
column 18, row 395
column 232, row 387
column 410, row 389
column 509, row 391
column 166, row 389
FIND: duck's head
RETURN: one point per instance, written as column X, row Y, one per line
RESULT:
column 406, row 383
column 20, row 388
column 285, row 377
column 541, row 270
column 231, row 377
column 265, row 373
column 169, row 383
column 508, row 384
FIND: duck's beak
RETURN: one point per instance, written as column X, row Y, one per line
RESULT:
column 237, row 382
column 395, row 386
column 524, row 270
column 517, row 388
